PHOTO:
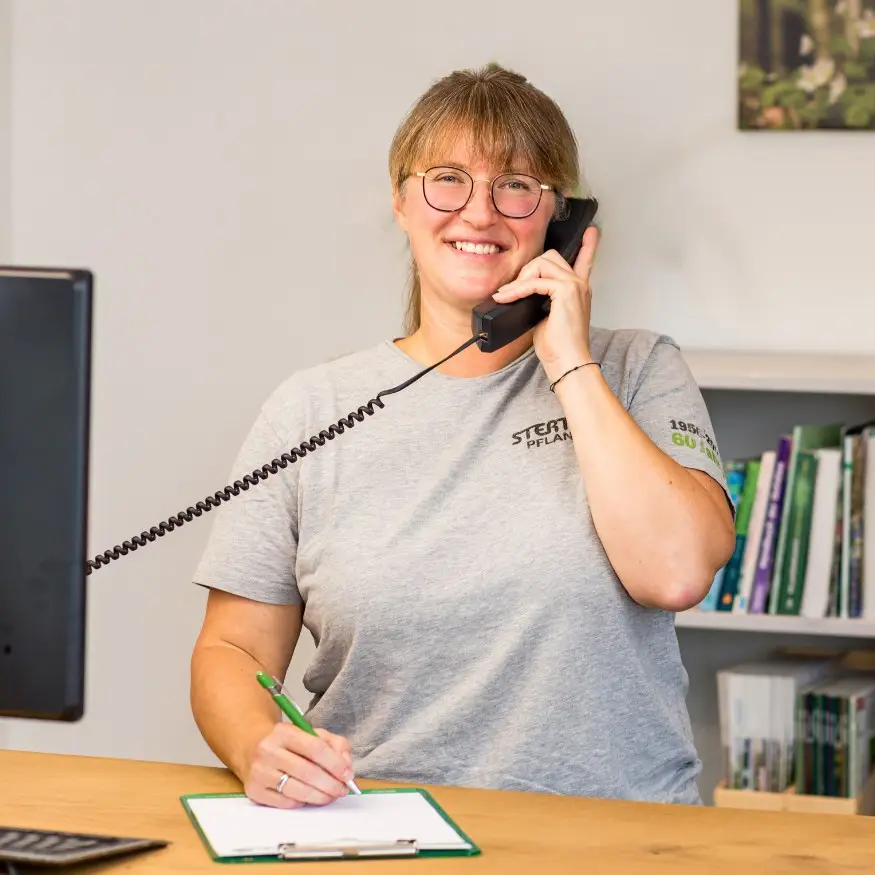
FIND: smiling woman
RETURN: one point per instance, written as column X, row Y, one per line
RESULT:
column 520, row 527
column 494, row 117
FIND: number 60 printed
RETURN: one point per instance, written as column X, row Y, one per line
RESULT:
column 686, row 434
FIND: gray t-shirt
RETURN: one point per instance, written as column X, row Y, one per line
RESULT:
column 469, row 628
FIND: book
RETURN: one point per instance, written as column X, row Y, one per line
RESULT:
column 755, row 532
column 762, row 582
column 836, row 720
column 735, row 477
column 798, row 529
column 821, row 551
column 801, row 538
column 803, row 438
column 757, row 704
column 732, row 578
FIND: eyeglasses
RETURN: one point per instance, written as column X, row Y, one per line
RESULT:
column 448, row 189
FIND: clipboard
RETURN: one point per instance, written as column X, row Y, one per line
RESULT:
column 300, row 846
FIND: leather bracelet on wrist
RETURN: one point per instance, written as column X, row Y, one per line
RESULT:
column 576, row 367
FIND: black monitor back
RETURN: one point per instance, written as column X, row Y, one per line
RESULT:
column 45, row 359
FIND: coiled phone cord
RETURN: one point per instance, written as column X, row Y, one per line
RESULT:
column 261, row 473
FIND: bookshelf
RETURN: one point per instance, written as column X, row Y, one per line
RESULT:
column 753, row 397
column 723, row 620
column 782, row 371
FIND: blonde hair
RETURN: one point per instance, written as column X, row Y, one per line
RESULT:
column 502, row 117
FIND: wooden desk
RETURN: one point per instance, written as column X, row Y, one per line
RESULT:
column 520, row 833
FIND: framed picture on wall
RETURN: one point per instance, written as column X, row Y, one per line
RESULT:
column 806, row 65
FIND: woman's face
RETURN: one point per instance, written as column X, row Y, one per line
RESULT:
column 443, row 243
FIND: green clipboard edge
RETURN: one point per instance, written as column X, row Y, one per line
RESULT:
column 473, row 851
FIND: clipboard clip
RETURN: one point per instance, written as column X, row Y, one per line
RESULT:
column 346, row 848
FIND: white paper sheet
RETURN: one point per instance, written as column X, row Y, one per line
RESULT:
column 236, row 826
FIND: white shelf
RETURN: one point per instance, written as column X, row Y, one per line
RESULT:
column 835, row 627
column 782, row 371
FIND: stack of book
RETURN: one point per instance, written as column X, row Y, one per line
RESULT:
column 801, row 537
column 799, row 721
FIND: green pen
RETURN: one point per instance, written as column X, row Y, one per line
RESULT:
column 292, row 711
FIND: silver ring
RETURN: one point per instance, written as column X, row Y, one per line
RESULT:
column 281, row 783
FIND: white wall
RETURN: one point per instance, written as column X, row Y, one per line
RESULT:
column 5, row 159
column 221, row 166
column 5, row 137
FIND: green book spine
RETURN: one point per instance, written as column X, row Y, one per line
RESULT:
column 802, row 728
column 799, row 528
column 834, row 765
column 817, row 717
column 732, row 575
column 842, row 748
column 804, row 437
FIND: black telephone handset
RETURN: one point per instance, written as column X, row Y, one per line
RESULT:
column 495, row 325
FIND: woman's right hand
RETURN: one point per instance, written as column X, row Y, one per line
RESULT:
column 317, row 767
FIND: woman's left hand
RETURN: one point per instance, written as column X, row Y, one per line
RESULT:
column 562, row 339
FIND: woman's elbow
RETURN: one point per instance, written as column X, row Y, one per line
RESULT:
column 685, row 585
column 692, row 582
column 683, row 595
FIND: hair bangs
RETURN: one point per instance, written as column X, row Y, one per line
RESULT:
column 488, row 131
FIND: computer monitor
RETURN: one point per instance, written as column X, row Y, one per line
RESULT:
column 45, row 374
